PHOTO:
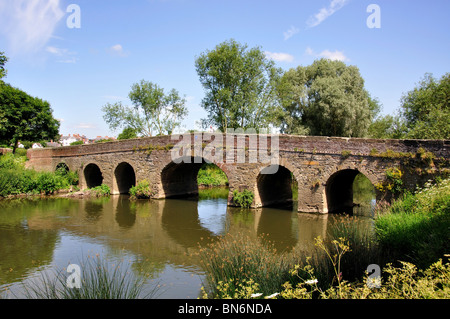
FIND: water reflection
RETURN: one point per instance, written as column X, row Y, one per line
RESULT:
column 159, row 237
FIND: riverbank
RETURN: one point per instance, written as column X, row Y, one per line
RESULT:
column 17, row 181
column 409, row 246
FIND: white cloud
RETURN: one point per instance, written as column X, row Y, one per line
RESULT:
column 335, row 55
column 85, row 126
column 291, row 32
column 56, row 51
column 29, row 24
column 325, row 12
column 279, row 57
column 64, row 55
column 117, row 49
column 327, row 54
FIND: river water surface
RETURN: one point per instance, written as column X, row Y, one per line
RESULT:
column 157, row 238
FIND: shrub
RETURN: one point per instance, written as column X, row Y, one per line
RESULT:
column 244, row 198
column 141, row 191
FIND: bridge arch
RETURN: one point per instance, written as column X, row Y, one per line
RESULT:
column 124, row 178
column 179, row 179
column 92, row 175
column 274, row 186
column 339, row 191
column 63, row 167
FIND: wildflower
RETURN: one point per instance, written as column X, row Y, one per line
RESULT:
column 256, row 295
column 311, row 281
column 272, row 296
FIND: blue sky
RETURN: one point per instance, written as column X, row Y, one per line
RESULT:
column 120, row 42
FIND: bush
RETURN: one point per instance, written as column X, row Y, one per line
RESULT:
column 141, row 191
column 15, row 179
column 244, row 198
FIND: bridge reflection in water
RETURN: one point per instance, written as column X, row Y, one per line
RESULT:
column 158, row 237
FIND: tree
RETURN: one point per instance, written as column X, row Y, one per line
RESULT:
column 127, row 133
column 327, row 98
column 386, row 127
column 3, row 60
column 426, row 108
column 27, row 118
column 240, row 85
column 152, row 110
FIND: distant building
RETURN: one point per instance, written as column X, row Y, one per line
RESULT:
column 37, row 145
column 67, row 140
column 53, row 144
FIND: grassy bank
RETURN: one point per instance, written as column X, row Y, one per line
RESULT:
column 410, row 244
column 416, row 228
column 210, row 175
column 15, row 179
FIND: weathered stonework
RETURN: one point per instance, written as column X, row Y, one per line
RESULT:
column 320, row 165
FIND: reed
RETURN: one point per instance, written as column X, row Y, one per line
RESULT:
column 99, row 280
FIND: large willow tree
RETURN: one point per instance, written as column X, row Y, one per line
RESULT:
column 326, row 98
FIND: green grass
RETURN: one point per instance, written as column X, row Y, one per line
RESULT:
column 416, row 227
column 99, row 280
column 235, row 260
column 409, row 239
column 211, row 175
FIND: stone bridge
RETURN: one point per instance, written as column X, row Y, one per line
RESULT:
column 323, row 167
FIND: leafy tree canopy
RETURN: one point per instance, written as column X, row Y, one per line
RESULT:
column 326, row 98
column 240, row 86
column 25, row 118
column 426, row 108
column 153, row 110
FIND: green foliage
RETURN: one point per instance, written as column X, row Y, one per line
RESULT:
column 211, row 175
column 426, row 108
column 249, row 269
column 3, row 60
column 153, row 110
column 244, row 198
column 25, row 118
column 76, row 143
column 393, row 182
column 327, row 98
column 142, row 190
column 150, row 148
column 240, row 86
column 416, row 227
column 127, row 133
column 233, row 262
column 346, row 153
column 98, row 281
column 99, row 191
column 387, row 127
column 15, row 179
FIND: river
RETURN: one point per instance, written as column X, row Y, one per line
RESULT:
column 157, row 238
